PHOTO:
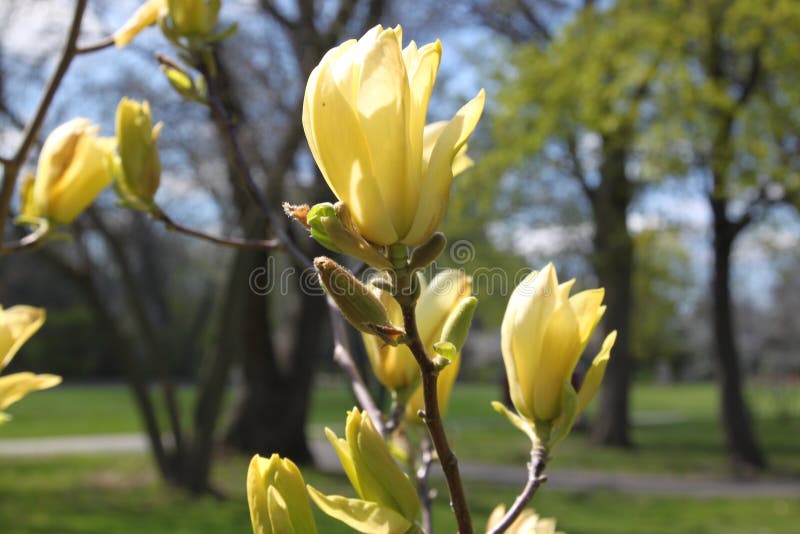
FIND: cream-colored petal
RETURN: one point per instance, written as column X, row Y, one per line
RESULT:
column 257, row 495
column 334, row 125
column 146, row 15
column 437, row 301
column 17, row 325
column 15, row 386
column 586, row 305
column 435, row 189
column 535, row 299
column 279, row 518
column 363, row 516
column 594, row 377
column 383, row 106
column 507, row 335
column 560, row 344
column 88, row 173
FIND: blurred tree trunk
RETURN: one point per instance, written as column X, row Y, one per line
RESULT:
column 613, row 261
column 736, row 419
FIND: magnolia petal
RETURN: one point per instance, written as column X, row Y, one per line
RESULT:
column 88, row 173
column 146, row 15
column 382, row 106
column 400, row 494
column 535, row 300
column 332, row 123
column 17, row 325
column 559, row 346
column 594, row 377
column 279, row 518
column 507, row 334
column 15, row 386
column 524, row 425
column 257, row 496
column 422, row 66
column 342, row 450
column 439, row 172
column 363, row 516
column 437, row 301
column 586, row 305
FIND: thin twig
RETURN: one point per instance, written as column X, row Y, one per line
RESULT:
column 430, row 375
column 12, row 168
column 535, row 479
column 423, row 475
column 94, row 47
column 255, row 244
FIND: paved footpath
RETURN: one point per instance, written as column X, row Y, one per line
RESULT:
column 558, row 479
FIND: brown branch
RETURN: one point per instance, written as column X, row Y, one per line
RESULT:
column 107, row 42
column 253, row 244
column 404, row 295
column 535, row 479
column 12, row 168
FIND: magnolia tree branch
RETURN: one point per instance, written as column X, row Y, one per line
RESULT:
column 536, row 478
column 253, row 244
column 404, row 294
column 12, row 166
column 341, row 352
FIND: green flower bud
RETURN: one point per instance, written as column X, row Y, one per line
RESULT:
column 426, row 253
column 139, row 175
column 332, row 227
column 359, row 304
column 193, row 18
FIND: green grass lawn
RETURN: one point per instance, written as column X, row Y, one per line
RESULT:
column 675, row 427
column 120, row 495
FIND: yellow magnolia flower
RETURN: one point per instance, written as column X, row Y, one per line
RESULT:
column 528, row 522
column 395, row 367
column 146, row 15
column 388, row 501
column 74, row 166
column 140, row 167
column 277, row 497
column 17, row 325
column 364, row 116
column 544, row 333
column 193, row 18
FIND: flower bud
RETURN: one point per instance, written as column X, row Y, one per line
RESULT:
column 372, row 470
column 140, row 174
column 426, row 253
column 331, row 226
column 146, row 15
column 74, row 166
column 544, row 333
column 358, row 303
column 193, row 18
column 277, row 497
column 364, row 114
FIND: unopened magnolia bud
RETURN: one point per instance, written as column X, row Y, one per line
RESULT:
column 446, row 350
column 358, row 303
column 139, row 174
column 331, row 226
column 426, row 253
column 456, row 329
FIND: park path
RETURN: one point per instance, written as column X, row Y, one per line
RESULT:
column 558, row 479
